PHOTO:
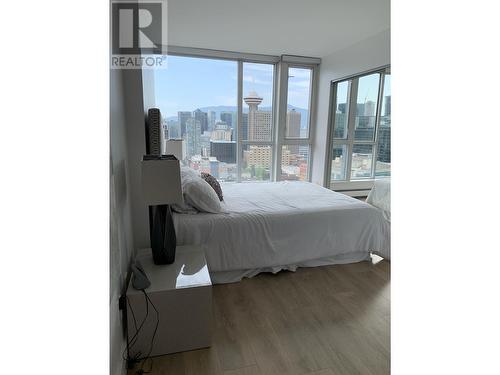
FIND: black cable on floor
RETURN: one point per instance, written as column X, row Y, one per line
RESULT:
column 134, row 338
column 142, row 371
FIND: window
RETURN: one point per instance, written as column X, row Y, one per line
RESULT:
column 341, row 112
column 298, row 102
column 360, row 145
column 257, row 122
column 295, row 162
column 295, row 143
column 257, row 161
column 383, row 164
column 224, row 109
column 197, row 98
column 339, row 155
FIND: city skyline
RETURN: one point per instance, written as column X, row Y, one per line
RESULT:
column 216, row 84
column 213, row 149
column 198, row 101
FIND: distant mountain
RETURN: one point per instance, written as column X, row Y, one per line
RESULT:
column 224, row 108
column 219, row 108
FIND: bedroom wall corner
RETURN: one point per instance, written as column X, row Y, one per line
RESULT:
column 136, row 148
column 128, row 212
column 121, row 233
column 367, row 54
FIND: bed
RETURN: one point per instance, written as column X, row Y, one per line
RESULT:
column 268, row 227
column 380, row 197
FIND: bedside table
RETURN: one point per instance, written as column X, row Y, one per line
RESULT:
column 182, row 294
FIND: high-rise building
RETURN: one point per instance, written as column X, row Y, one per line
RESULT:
column 205, row 143
column 229, row 118
column 259, row 122
column 342, row 107
column 384, row 144
column 224, row 151
column 304, row 152
column 221, row 132
column 193, row 137
column 258, row 156
column 212, row 118
column 286, row 157
column 164, row 127
column 164, row 137
column 340, row 122
column 387, row 106
column 384, row 136
column 364, row 128
column 261, row 156
column 173, row 129
column 293, row 124
column 369, row 108
column 360, row 109
column 244, row 127
column 290, row 163
column 293, row 128
column 202, row 117
column 182, row 117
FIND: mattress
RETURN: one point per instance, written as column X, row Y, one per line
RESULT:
column 283, row 225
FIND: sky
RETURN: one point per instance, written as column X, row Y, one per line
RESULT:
column 189, row 83
column 367, row 89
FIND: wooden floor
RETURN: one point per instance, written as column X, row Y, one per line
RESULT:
column 322, row 321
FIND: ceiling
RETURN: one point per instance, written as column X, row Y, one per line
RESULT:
column 297, row 27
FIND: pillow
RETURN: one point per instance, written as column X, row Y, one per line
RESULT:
column 212, row 181
column 199, row 194
column 184, row 207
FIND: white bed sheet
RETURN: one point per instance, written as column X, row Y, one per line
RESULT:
column 283, row 225
column 380, row 196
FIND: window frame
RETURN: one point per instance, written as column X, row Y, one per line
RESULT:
column 349, row 184
column 274, row 124
column 282, row 140
column 279, row 100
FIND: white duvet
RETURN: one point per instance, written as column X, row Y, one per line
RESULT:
column 283, row 225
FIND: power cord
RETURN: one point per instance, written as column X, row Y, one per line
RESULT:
column 148, row 356
column 133, row 340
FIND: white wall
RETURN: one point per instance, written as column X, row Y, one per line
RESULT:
column 129, row 214
column 368, row 54
column 121, row 236
column 136, row 148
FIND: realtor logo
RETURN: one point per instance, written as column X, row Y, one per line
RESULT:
column 137, row 29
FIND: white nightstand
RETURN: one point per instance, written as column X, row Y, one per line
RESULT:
column 182, row 294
